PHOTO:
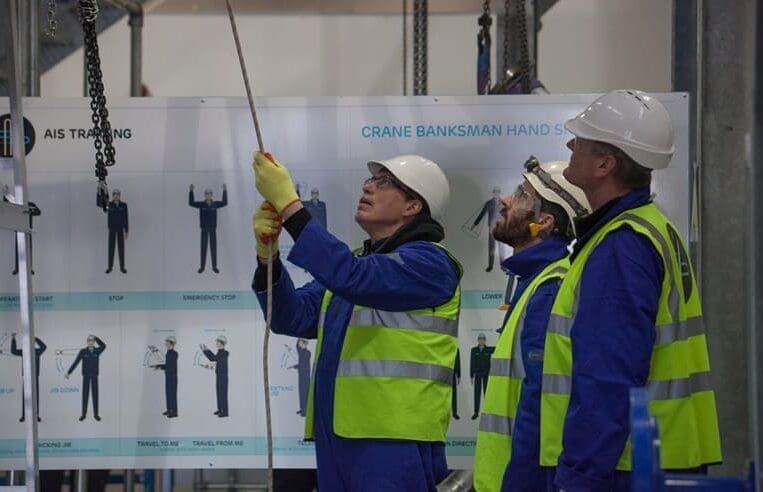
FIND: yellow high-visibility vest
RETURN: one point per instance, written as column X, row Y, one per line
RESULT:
column 504, row 389
column 680, row 393
column 395, row 372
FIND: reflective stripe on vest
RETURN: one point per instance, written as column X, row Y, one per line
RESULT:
column 395, row 371
column 507, row 371
column 678, row 384
column 404, row 321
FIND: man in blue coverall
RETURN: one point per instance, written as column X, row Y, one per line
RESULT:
column 38, row 351
column 170, row 368
column 118, row 224
column 618, row 140
column 221, row 373
column 401, row 270
column 208, row 223
column 89, row 356
column 303, row 374
column 479, row 368
column 537, row 222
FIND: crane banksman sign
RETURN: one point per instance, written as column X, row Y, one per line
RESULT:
column 174, row 344
column 463, row 130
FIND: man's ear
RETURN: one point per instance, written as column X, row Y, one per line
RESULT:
column 412, row 208
column 607, row 166
column 545, row 225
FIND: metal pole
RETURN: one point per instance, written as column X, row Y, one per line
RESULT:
column 129, row 484
column 32, row 41
column 136, row 49
column 81, row 480
column 755, row 251
column 405, row 47
column 167, row 481
column 135, row 21
column 22, row 11
column 25, row 286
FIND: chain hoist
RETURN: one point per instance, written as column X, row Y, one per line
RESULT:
column 516, row 77
column 102, row 136
column 420, row 22
column 52, row 22
column 484, row 42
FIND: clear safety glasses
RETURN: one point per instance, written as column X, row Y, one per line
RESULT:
column 533, row 166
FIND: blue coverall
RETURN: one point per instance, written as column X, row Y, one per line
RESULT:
column 221, row 379
column 417, row 274
column 89, row 357
column 612, row 338
column 524, row 468
column 170, row 368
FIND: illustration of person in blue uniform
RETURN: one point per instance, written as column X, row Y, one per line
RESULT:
column 170, row 368
column 316, row 207
column 221, row 372
column 118, row 228
column 89, row 356
column 479, row 370
column 208, row 223
column 38, row 351
column 303, row 373
column 492, row 208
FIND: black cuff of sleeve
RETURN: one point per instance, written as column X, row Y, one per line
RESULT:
column 260, row 282
column 297, row 222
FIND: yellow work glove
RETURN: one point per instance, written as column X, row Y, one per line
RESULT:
column 273, row 181
column 266, row 223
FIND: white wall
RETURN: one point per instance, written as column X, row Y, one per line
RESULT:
column 584, row 46
column 599, row 45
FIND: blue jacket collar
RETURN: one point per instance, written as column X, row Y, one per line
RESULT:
column 587, row 226
column 532, row 260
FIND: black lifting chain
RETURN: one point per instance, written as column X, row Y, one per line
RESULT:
column 506, row 41
column 484, row 42
column 102, row 136
column 524, row 50
column 420, row 21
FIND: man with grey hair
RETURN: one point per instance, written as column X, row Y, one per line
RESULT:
column 118, row 228
column 627, row 314
column 208, row 223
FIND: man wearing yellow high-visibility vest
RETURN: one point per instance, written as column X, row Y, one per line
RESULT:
column 537, row 221
column 386, row 321
column 628, row 312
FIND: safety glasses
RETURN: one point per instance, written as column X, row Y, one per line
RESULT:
column 383, row 181
column 533, row 166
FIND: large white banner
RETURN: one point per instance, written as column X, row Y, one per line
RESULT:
column 159, row 238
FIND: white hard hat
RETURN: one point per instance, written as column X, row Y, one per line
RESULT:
column 170, row 339
column 422, row 176
column 222, row 339
column 633, row 121
column 549, row 182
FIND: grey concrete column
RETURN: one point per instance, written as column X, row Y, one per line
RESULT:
column 726, row 119
column 756, row 254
